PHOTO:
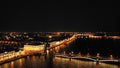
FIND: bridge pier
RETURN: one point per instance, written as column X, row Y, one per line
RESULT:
column 119, row 62
column 97, row 61
column 46, row 47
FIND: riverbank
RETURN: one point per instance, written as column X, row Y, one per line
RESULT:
column 17, row 57
column 12, row 59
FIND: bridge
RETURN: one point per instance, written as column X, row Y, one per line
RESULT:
column 87, row 35
column 97, row 60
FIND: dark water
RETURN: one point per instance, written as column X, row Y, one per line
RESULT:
column 105, row 47
column 41, row 62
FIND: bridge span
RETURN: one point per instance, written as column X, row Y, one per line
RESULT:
column 97, row 60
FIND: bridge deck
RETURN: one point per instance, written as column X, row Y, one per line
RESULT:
column 87, row 58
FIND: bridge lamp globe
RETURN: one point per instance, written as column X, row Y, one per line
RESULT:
column 49, row 37
column 111, row 57
column 5, row 52
column 98, row 55
column 72, row 52
column 64, row 53
column 57, row 42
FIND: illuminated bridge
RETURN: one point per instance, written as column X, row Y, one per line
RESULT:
column 98, row 60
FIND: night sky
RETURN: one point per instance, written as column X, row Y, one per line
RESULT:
column 60, row 16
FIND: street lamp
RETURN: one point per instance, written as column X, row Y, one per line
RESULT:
column 20, row 53
column 79, row 54
column 5, row 54
column 64, row 53
column 111, row 57
column 72, row 53
column 50, row 37
column 98, row 55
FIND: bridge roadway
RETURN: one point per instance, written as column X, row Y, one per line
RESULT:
column 93, row 36
column 65, row 41
column 114, row 61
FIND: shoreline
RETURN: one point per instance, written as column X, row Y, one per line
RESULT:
column 17, row 57
column 12, row 59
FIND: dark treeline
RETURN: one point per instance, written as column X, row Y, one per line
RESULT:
column 10, row 46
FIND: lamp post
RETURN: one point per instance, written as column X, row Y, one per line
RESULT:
column 98, row 57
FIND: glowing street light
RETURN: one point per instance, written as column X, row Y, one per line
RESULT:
column 88, row 54
column 79, row 54
column 98, row 55
column 64, row 53
column 49, row 37
column 111, row 57
column 57, row 42
column 72, row 53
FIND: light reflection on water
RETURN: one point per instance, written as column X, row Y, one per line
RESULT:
column 41, row 62
column 12, row 64
column 63, row 62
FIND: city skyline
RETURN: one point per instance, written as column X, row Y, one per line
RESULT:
column 99, row 47
column 59, row 34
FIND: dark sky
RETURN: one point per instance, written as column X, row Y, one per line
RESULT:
column 60, row 16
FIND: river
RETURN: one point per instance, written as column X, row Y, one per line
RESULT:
column 56, row 62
